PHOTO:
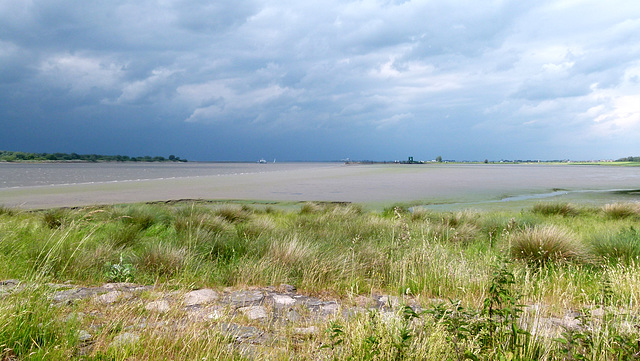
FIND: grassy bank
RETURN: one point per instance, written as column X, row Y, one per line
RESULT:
column 554, row 256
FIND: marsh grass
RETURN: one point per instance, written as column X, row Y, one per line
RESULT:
column 546, row 244
column 324, row 248
column 562, row 209
column 621, row 247
column 621, row 210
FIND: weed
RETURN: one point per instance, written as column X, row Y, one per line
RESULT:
column 119, row 272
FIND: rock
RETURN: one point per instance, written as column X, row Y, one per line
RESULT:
column 160, row 306
column 283, row 300
column 241, row 333
column 200, row 297
column 293, row 316
column 254, row 312
column 119, row 285
column 305, row 330
column 9, row 283
column 112, row 297
column 84, row 336
column 389, row 301
column 598, row 312
column 246, row 298
column 329, row 308
column 75, row 294
column 124, row 340
column 215, row 315
column 288, row 288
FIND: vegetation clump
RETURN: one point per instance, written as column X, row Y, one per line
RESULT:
column 543, row 244
column 546, row 265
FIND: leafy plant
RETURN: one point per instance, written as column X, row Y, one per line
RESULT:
column 120, row 272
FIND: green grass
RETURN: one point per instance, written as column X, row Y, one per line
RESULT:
column 560, row 256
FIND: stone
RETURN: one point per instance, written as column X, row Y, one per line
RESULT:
column 293, row 316
column 288, row 288
column 598, row 312
column 161, row 306
column 124, row 340
column 329, row 308
column 84, row 336
column 283, row 300
column 246, row 298
column 75, row 294
column 241, row 333
column 254, row 312
column 305, row 330
column 200, row 297
column 109, row 297
column 389, row 301
column 215, row 315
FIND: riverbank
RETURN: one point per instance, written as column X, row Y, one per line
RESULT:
column 325, row 280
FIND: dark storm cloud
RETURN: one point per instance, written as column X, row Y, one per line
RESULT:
column 368, row 79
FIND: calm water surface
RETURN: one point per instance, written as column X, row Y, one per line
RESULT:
column 14, row 175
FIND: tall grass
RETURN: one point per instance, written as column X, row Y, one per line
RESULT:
column 542, row 245
column 338, row 249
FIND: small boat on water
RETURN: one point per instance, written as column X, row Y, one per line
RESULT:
column 262, row 161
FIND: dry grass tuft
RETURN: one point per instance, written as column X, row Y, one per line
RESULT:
column 546, row 244
column 621, row 210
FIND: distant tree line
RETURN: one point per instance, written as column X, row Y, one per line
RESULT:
column 629, row 159
column 9, row 156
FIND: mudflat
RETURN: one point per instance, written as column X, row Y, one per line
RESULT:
column 370, row 184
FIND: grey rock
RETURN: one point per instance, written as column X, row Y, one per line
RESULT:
column 246, row 298
column 75, row 294
column 305, row 330
column 389, row 301
column 200, row 297
column 293, row 316
column 283, row 300
column 288, row 288
column 84, row 336
column 113, row 297
column 161, row 306
column 254, row 312
column 241, row 333
column 329, row 308
column 124, row 340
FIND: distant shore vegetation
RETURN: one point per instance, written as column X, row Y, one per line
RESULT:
column 10, row 156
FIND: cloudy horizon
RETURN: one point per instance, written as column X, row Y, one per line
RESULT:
column 383, row 80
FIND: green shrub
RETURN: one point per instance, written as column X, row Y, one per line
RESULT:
column 543, row 244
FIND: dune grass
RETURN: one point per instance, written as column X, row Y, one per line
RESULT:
column 560, row 256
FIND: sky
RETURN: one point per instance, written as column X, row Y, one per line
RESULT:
column 322, row 80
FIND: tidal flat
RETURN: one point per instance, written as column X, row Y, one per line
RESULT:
column 374, row 186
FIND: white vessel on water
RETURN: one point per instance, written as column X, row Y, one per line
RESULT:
column 262, row 161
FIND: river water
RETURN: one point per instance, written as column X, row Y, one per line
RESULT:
column 14, row 175
column 439, row 186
